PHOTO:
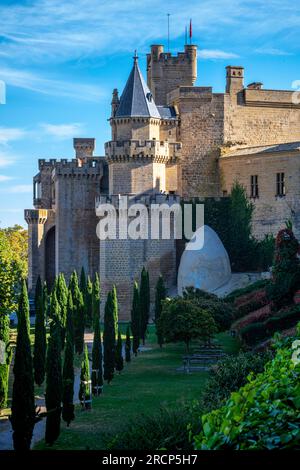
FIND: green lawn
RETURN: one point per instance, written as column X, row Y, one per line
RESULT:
column 149, row 381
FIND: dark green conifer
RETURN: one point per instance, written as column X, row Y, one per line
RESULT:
column 68, row 367
column 115, row 310
column 40, row 343
column 135, row 319
column 85, row 381
column 62, row 297
column 53, row 396
column 96, row 297
column 128, row 346
column 89, row 303
column 23, row 415
column 109, row 338
column 144, row 303
column 160, row 295
column 78, row 317
column 97, row 368
column 119, row 354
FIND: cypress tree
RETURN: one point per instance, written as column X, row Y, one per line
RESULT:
column 82, row 286
column 119, row 356
column 84, row 389
column 68, row 367
column 53, row 396
column 115, row 310
column 160, row 295
column 96, row 297
column 144, row 303
column 109, row 339
column 62, row 297
column 128, row 346
column 89, row 303
column 97, row 369
column 78, row 316
column 40, row 343
column 23, row 407
column 135, row 319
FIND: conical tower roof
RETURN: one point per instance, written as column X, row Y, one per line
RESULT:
column 136, row 99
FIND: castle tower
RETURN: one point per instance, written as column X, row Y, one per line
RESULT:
column 137, row 156
column 166, row 72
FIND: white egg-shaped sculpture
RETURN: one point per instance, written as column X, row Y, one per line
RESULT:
column 204, row 263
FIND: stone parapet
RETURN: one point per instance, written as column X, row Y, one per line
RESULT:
column 35, row 216
column 161, row 152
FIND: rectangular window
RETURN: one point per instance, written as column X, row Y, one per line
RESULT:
column 280, row 184
column 254, row 186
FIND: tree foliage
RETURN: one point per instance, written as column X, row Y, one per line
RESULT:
column 97, row 357
column 89, row 303
column 128, row 345
column 96, row 297
column 53, row 395
column 40, row 342
column 84, row 388
column 109, row 338
column 182, row 320
column 119, row 354
column 135, row 324
column 262, row 415
column 23, row 407
column 68, row 367
column 160, row 295
column 78, row 316
column 144, row 303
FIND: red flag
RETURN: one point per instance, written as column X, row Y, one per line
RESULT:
column 191, row 31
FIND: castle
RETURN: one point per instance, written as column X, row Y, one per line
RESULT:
column 170, row 139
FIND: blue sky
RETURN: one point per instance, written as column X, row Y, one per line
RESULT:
column 60, row 61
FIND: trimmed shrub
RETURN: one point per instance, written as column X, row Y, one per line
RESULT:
column 229, row 375
column 257, row 285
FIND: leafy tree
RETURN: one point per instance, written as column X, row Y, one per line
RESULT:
column 115, row 309
column 96, row 297
column 89, row 303
column 84, row 389
column 23, row 408
column 160, row 295
column 62, row 297
column 135, row 319
column 53, row 396
column 286, row 269
column 182, row 320
column 78, row 313
column 144, row 303
column 109, row 338
column 128, row 346
column 40, row 342
column 119, row 355
column 68, row 367
column 97, row 369
column 242, row 245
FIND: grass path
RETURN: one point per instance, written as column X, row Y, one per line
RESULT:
column 149, row 381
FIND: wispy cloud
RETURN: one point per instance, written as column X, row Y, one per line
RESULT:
column 31, row 81
column 6, row 159
column 216, row 54
column 9, row 134
column 63, row 131
column 45, row 30
column 5, row 178
column 20, row 188
column 272, row 51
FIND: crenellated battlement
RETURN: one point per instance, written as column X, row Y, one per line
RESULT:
column 157, row 151
column 146, row 199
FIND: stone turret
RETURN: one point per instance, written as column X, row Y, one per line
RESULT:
column 166, row 72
